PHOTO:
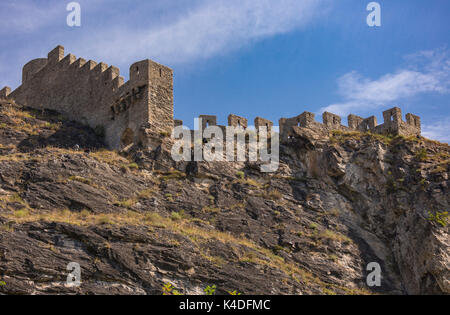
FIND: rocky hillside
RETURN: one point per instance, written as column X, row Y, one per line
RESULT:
column 136, row 221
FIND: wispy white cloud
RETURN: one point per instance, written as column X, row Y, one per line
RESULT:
column 439, row 130
column 158, row 29
column 24, row 16
column 427, row 72
column 29, row 16
column 210, row 28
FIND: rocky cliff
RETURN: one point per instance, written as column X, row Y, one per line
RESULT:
column 136, row 221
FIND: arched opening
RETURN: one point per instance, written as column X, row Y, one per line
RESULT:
column 127, row 138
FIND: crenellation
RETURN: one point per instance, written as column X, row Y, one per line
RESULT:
column 56, row 55
column 307, row 120
column 68, row 60
column 80, row 62
column 89, row 66
column 99, row 69
column 413, row 120
column 331, row 120
column 354, row 121
column 261, row 122
column 392, row 116
column 393, row 124
column 237, row 121
column 95, row 94
column 207, row 120
column 111, row 73
column 368, row 124
column 118, row 82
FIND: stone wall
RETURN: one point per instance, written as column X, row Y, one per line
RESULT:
column 393, row 124
column 233, row 121
column 127, row 112
column 236, row 121
column 95, row 94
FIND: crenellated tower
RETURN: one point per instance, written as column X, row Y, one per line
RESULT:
column 95, row 94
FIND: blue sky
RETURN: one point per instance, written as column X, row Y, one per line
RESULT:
column 269, row 58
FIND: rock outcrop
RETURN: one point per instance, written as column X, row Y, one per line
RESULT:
column 136, row 221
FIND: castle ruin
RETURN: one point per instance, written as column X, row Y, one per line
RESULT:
column 393, row 124
column 96, row 95
column 127, row 112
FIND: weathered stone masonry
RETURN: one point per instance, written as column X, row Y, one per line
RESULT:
column 97, row 95
column 393, row 124
column 128, row 112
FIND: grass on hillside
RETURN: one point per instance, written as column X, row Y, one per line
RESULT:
column 179, row 224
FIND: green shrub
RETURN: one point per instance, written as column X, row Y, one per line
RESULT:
column 128, row 203
column 176, row 216
column 174, row 174
column 153, row 217
column 21, row 213
column 210, row 290
column 169, row 197
column 274, row 195
column 439, row 218
column 168, row 289
column 133, row 166
column 81, row 180
column 104, row 220
column 422, row 155
column 210, row 209
column 85, row 213
column 165, row 134
column 146, row 194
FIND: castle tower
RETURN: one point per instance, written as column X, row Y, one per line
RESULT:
column 159, row 94
column 96, row 95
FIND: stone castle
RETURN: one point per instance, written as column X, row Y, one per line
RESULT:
column 96, row 95
column 127, row 112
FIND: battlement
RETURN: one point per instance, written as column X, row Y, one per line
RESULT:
column 95, row 94
column 393, row 124
column 233, row 121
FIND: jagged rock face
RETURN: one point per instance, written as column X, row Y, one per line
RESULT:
column 390, row 191
column 138, row 222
